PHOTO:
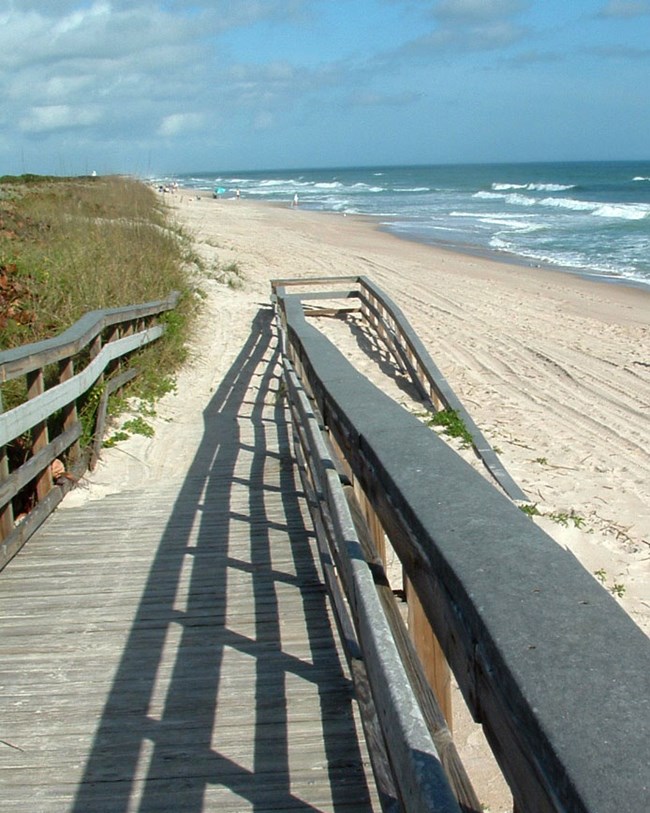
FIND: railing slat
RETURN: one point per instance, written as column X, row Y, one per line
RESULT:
column 20, row 477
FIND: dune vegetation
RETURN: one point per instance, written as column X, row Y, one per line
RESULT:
column 73, row 245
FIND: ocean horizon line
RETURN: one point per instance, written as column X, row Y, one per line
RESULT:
column 590, row 218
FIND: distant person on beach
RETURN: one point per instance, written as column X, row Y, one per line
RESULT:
column 238, row 194
column 295, row 199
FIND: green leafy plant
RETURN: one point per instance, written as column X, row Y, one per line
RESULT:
column 616, row 589
column 530, row 509
column 138, row 426
column 451, row 424
column 88, row 413
column 563, row 518
column 115, row 438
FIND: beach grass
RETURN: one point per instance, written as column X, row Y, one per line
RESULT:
column 73, row 245
column 69, row 246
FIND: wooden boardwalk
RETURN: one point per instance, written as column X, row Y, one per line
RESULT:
column 171, row 648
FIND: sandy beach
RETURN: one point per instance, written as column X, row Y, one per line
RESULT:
column 554, row 368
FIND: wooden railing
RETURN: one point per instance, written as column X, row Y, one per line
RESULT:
column 411, row 358
column 58, row 373
column 546, row 659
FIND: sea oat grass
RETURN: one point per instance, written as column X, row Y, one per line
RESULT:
column 69, row 246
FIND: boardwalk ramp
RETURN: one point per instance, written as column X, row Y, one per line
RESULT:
column 171, row 648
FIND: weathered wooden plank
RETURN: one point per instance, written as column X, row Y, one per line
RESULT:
column 20, row 477
column 171, row 648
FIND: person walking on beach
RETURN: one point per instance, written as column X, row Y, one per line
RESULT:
column 295, row 199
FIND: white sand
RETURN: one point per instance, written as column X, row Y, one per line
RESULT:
column 555, row 369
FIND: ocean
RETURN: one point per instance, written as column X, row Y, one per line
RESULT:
column 591, row 218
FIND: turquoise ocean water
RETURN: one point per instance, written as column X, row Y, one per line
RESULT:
column 588, row 217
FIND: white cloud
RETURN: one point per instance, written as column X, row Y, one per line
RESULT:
column 472, row 10
column 58, row 117
column 460, row 39
column 178, row 123
column 625, row 8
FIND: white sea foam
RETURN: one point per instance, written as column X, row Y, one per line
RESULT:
column 488, row 195
column 276, row 182
column 502, row 187
column 623, row 211
column 549, row 187
column 513, row 222
column 640, row 178
column 533, row 187
column 364, row 187
column 520, row 200
column 568, row 203
column 512, row 225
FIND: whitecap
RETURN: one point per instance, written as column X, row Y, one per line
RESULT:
column 624, row 211
column 533, row 187
column 621, row 211
column 569, row 203
column 366, row 188
column 505, row 186
column 640, row 178
column 488, row 195
column 274, row 182
column 512, row 225
column 520, row 200
column 549, row 187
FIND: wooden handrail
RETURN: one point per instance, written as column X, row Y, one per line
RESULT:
column 547, row 660
column 100, row 338
column 411, row 357
column 404, row 733
column 22, row 360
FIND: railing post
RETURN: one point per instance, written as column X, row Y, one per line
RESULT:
column 372, row 520
column 40, row 436
column 6, row 511
column 70, row 416
column 430, row 653
column 113, row 334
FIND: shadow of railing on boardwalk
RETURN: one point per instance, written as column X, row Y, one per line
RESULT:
column 168, row 760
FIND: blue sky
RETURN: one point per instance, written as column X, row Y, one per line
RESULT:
column 164, row 86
